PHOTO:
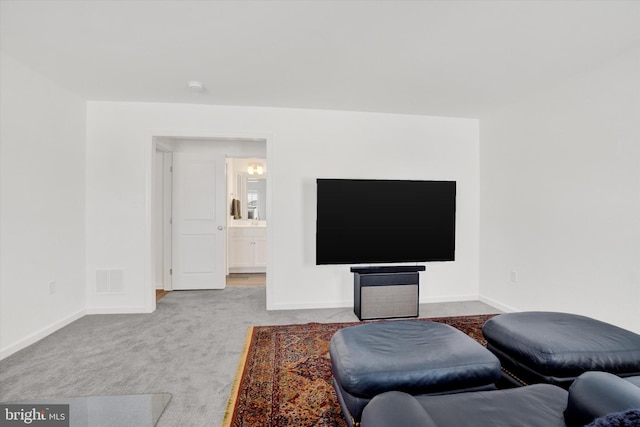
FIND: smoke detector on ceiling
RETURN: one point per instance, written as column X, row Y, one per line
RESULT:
column 196, row 86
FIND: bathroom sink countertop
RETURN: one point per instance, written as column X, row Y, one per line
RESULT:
column 247, row 223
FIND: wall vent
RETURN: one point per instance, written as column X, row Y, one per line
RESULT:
column 109, row 281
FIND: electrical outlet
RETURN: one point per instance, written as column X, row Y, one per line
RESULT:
column 52, row 287
column 513, row 276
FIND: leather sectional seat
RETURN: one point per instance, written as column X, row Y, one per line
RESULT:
column 555, row 348
column 413, row 356
column 595, row 397
column 420, row 373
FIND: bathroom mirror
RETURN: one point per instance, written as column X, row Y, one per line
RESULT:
column 252, row 192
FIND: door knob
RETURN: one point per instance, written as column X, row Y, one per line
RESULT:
column 220, row 228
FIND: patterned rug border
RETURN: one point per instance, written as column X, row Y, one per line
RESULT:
column 230, row 410
column 232, row 403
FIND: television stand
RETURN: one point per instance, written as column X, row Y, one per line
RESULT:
column 386, row 292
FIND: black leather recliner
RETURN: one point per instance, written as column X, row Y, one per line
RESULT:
column 592, row 396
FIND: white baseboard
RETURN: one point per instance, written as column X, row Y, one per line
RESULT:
column 117, row 310
column 448, row 298
column 349, row 303
column 502, row 307
column 314, row 306
column 37, row 336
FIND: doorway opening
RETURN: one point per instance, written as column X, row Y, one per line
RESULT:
column 247, row 225
column 191, row 239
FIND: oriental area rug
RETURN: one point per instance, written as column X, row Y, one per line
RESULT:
column 284, row 375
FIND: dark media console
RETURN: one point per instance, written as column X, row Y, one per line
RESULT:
column 386, row 292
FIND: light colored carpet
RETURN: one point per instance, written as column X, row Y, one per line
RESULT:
column 188, row 347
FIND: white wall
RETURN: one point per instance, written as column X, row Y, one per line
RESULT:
column 302, row 145
column 560, row 197
column 42, row 132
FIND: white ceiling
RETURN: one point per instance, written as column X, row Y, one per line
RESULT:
column 450, row 58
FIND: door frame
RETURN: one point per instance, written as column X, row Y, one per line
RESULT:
column 166, row 217
column 154, row 138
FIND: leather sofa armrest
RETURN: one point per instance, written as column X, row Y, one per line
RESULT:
column 596, row 394
column 395, row 409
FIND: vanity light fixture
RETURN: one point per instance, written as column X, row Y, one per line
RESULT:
column 255, row 168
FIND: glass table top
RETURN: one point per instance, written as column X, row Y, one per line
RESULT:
column 131, row 410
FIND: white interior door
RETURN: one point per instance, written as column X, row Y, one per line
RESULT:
column 199, row 221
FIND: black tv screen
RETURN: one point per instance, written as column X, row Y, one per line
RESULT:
column 362, row 221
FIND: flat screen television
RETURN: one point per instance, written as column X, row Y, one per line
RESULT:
column 366, row 221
